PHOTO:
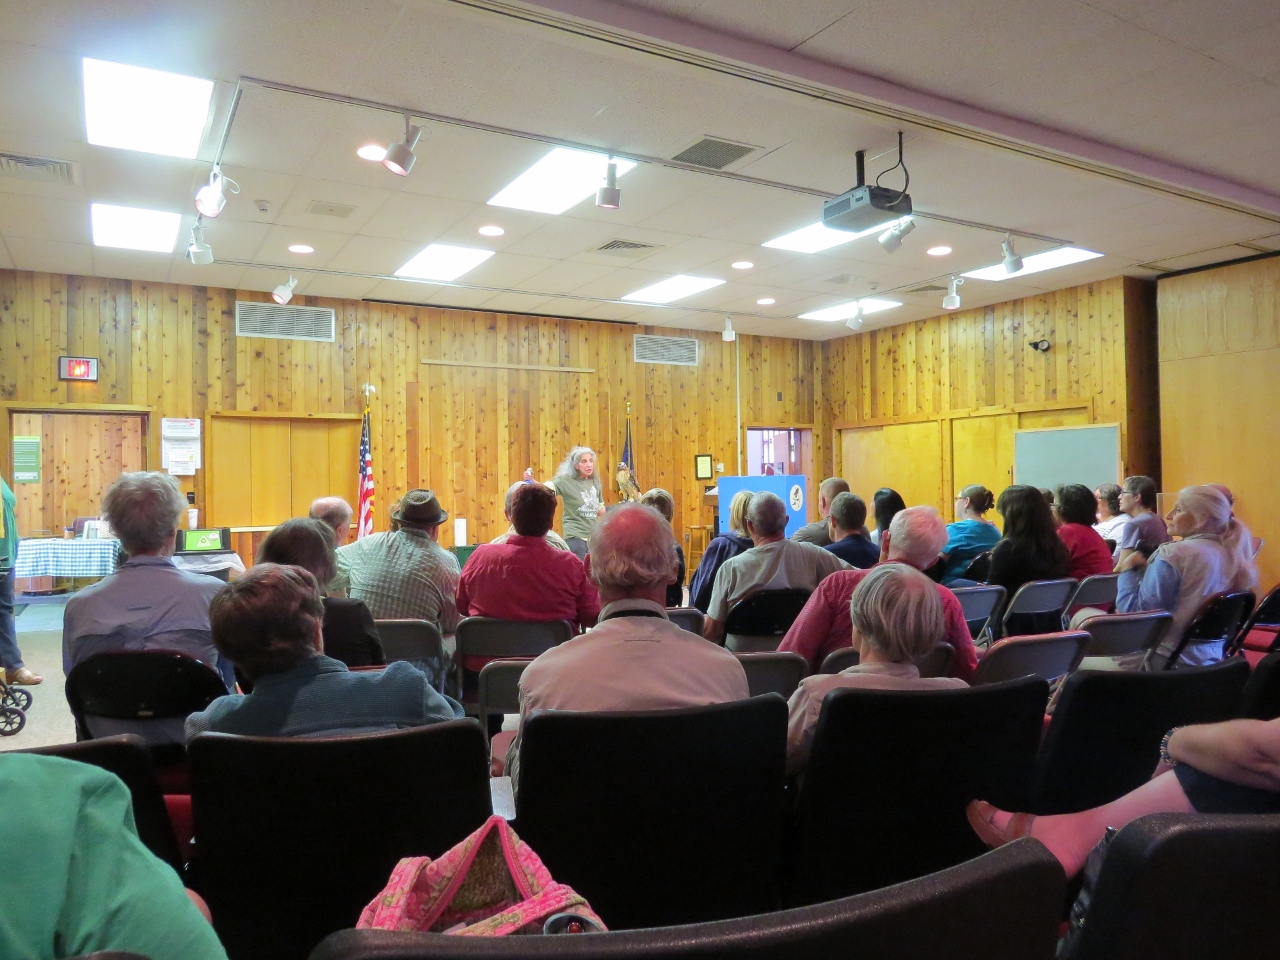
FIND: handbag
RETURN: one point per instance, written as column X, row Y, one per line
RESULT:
column 489, row 885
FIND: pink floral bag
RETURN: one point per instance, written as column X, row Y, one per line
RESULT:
column 489, row 885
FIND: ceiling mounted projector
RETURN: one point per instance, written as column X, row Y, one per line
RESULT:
column 867, row 206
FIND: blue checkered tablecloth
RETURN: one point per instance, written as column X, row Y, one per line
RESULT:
column 65, row 558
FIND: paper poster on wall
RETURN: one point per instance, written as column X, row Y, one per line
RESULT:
column 180, row 446
column 26, row 459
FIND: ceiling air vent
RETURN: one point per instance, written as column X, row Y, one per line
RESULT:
column 681, row 351
column 842, row 278
column 626, row 248
column 323, row 208
column 928, row 288
column 277, row 322
column 45, row 169
column 714, row 154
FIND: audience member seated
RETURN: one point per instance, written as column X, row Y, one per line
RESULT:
column 818, row 532
column 526, row 578
column 914, row 538
column 972, row 534
column 1111, row 521
column 665, row 504
column 349, row 632
column 405, row 574
column 269, row 623
column 635, row 658
column 896, row 619
column 335, row 513
column 76, row 878
column 147, row 603
column 1076, row 508
column 1030, row 548
column 1231, row 767
column 1214, row 555
column 848, row 515
column 885, row 504
column 721, row 548
column 1145, row 530
column 553, row 539
column 774, row 563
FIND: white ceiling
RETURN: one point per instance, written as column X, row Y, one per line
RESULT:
column 1128, row 73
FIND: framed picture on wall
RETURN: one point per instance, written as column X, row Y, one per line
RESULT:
column 703, row 469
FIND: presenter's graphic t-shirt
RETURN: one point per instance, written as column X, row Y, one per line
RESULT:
column 582, row 503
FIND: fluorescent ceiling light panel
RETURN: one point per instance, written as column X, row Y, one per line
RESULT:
column 818, row 237
column 843, row 311
column 439, row 261
column 131, row 228
column 673, row 288
column 1062, row 257
column 133, row 108
column 560, row 180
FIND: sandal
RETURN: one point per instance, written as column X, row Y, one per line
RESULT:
column 981, row 814
column 23, row 677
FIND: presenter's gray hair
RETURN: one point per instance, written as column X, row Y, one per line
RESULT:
column 632, row 546
column 569, row 465
column 143, row 509
column 767, row 513
column 916, row 536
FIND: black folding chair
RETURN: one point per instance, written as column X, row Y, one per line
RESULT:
column 1125, row 634
column 1261, row 697
column 294, row 836
column 498, row 689
column 659, row 817
column 838, row 660
column 1037, row 607
column 1218, row 621
column 946, row 916
column 1265, row 615
column 773, row 672
column 686, row 618
column 502, row 640
column 978, row 569
column 758, row 623
column 890, row 773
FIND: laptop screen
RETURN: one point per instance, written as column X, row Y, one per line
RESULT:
column 204, row 541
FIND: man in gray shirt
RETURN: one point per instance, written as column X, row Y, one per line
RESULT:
column 817, row 532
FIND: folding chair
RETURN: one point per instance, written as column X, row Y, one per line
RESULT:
column 1096, row 591
column 1261, row 697
column 686, row 618
column 494, row 639
column 978, row 569
column 980, row 606
column 758, row 623
column 1265, row 619
column 937, row 662
column 1123, row 634
column 499, row 689
column 1037, row 607
column 1218, row 621
column 1046, row 655
column 773, row 672
column 417, row 641
column 838, row 660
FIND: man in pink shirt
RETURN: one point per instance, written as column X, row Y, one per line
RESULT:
column 915, row 537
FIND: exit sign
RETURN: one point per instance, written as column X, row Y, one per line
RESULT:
column 77, row 368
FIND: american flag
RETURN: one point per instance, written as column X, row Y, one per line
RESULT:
column 364, row 512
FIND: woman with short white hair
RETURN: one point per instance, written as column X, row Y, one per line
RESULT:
column 897, row 619
column 1213, row 555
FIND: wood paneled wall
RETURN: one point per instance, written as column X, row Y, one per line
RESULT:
column 1220, row 390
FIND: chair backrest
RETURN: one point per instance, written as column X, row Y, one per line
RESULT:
column 767, row 613
column 295, row 836
column 979, row 568
column 1187, row 887
column 410, row 640
column 1047, row 655
column 979, row 604
column 1266, row 614
column 1219, row 618
column 1119, row 634
column 945, row 917
column 773, row 672
column 139, row 685
column 937, row 662
column 129, row 758
column 659, row 817
column 1104, row 739
column 491, row 637
column 499, row 688
column 1046, row 597
column 838, row 660
column 1096, row 591
column 1261, row 697
column 890, row 773
column 686, row 618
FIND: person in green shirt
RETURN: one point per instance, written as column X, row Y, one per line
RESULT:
column 10, row 655
column 578, row 485
column 77, row 879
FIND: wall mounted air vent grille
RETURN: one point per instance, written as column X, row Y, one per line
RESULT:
column 37, row 168
column 682, row 351
column 714, row 154
column 278, row 322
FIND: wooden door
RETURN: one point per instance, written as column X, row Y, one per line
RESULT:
column 906, row 457
column 982, row 452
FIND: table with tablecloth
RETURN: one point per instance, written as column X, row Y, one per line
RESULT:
column 65, row 558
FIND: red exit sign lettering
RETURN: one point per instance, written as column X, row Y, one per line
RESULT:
column 77, row 368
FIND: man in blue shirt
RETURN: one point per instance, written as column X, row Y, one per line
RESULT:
column 848, row 514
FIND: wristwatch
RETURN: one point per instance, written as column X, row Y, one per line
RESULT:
column 1164, row 748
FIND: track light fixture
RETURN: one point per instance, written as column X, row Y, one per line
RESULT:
column 729, row 335
column 855, row 321
column 609, row 197
column 1012, row 262
column 284, row 292
column 400, row 159
column 952, row 300
column 212, row 197
column 891, row 239
column 199, row 252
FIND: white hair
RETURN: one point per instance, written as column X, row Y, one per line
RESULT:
column 896, row 609
column 916, row 536
column 569, row 465
column 767, row 513
column 143, row 509
column 632, row 546
column 1211, row 511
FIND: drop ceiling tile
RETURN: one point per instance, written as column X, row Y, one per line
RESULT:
column 366, row 201
column 276, row 240
column 514, row 303
column 563, row 276
column 278, row 132
column 52, row 256
column 374, row 255
column 508, row 270
column 136, row 265
column 257, row 188
column 231, row 239
column 51, row 102
column 324, row 285
column 43, row 218
column 224, row 276
column 1254, row 51
column 1198, row 26
column 142, row 179
column 421, row 219
column 564, row 237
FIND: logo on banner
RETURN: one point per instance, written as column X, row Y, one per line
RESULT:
column 797, row 497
